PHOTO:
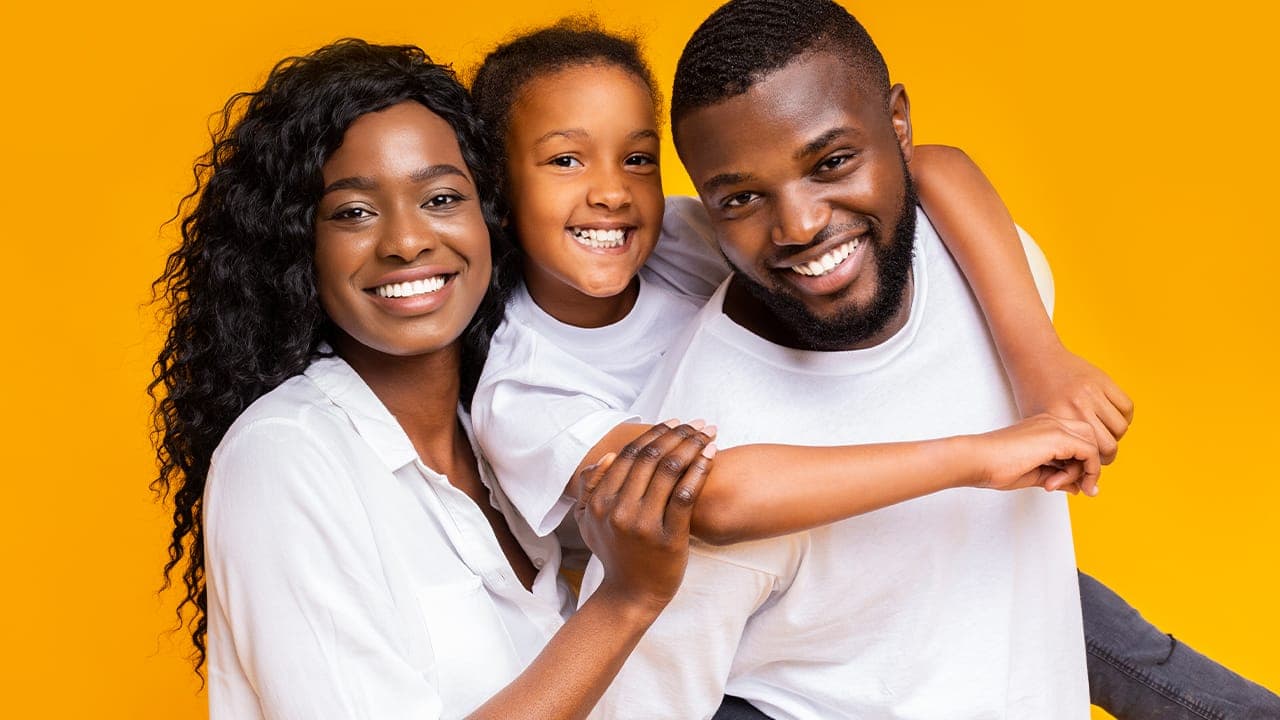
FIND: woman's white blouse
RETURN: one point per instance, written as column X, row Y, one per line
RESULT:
column 348, row 580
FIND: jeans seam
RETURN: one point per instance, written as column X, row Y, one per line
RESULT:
column 1152, row 684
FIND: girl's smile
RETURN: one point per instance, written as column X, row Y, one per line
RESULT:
column 584, row 188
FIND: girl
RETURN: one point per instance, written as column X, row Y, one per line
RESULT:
column 575, row 112
column 346, row 549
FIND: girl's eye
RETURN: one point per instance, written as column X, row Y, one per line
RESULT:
column 640, row 159
column 355, row 213
column 742, row 198
column 443, row 199
column 566, row 161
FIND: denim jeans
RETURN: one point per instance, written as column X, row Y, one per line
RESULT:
column 1137, row 672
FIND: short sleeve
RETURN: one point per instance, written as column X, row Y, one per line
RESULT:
column 686, row 260
column 1040, row 270
column 534, row 437
column 297, row 608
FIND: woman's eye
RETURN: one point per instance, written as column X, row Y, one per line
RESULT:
column 355, row 213
column 443, row 199
column 566, row 161
column 738, row 200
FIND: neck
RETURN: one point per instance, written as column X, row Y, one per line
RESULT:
column 574, row 307
column 421, row 391
column 749, row 311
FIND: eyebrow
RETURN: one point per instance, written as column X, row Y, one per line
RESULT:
column 724, row 179
column 363, row 182
column 576, row 133
column 820, row 143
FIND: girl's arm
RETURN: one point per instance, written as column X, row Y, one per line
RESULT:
column 634, row 513
column 758, row 491
column 977, row 229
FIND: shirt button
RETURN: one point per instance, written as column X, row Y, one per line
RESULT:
column 539, row 562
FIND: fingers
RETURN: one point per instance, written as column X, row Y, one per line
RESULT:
column 1119, row 400
column 673, row 466
column 663, row 459
column 1115, row 421
column 1078, row 458
column 679, row 506
column 613, row 480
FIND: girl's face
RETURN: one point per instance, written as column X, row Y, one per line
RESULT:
column 584, row 187
column 402, row 251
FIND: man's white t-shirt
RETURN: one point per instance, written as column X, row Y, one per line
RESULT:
column 960, row 605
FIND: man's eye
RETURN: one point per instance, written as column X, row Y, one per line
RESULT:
column 738, row 200
column 834, row 162
column 566, row 161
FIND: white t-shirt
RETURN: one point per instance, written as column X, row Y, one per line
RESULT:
column 550, row 391
column 346, row 579
column 960, row 605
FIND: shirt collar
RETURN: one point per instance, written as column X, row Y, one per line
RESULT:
column 372, row 420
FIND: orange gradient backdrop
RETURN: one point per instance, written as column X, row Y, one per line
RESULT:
column 1134, row 142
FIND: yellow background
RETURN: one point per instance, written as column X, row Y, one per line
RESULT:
column 1134, row 142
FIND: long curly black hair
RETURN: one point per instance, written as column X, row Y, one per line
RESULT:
column 239, row 293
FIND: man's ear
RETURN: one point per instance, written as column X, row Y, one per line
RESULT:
column 900, row 116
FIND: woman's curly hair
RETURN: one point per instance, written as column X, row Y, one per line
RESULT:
column 239, row 293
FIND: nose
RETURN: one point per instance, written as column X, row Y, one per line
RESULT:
column 610, row 189
column 800, row 219
column 406, row 234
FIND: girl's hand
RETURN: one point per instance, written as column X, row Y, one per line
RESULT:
column 1063, row 384
column 635, row 508
column 1042, row 451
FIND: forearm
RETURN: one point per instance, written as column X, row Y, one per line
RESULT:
column 758, row 491
column 975, row 225
column 570, row 675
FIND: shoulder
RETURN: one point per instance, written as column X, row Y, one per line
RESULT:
column 292, row 443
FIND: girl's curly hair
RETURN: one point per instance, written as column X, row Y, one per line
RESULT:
column 239, row 293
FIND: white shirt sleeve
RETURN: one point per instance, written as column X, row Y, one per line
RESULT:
column 683, row 662
column 687, row 259
column 534, row 437
column 297, row 609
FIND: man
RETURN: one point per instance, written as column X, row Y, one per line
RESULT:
column 961, row 604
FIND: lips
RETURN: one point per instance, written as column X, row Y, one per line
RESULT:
column 829, row 260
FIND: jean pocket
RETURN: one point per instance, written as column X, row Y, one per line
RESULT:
column 474, row 655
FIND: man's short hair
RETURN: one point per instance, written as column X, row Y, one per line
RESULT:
column 745, row 40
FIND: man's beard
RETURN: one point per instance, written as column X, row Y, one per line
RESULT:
column 854, row 325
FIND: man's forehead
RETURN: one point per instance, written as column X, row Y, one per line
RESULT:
column 788, row 114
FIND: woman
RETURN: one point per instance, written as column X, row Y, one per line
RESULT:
column 346, row 551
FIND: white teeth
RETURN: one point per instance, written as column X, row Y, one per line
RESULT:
column 412, row 288
column 599, row 238
column 828, row 262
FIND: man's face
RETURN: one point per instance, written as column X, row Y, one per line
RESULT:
column 805, row 179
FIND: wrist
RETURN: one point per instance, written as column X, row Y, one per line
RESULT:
column 968, row 458
column 630, row 608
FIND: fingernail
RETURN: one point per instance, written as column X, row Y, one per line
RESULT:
column 1093, row 491
column 697, row 424
column 709, row 451
column 710, row 430
column 671, row 423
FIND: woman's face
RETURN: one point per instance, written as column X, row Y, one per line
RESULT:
column 584, row 188
column 402, row 251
